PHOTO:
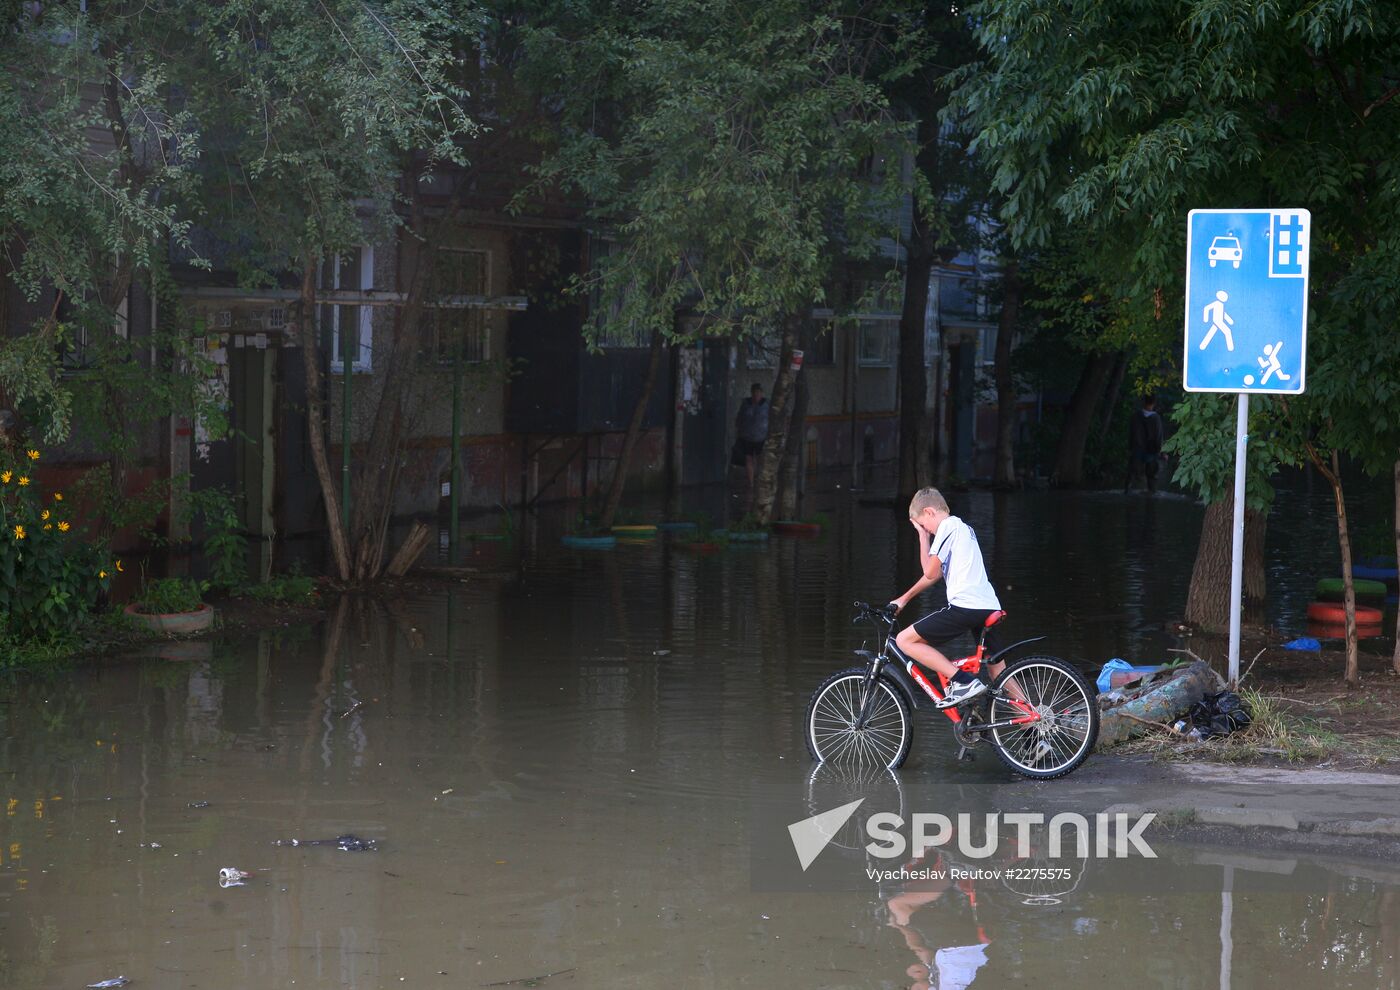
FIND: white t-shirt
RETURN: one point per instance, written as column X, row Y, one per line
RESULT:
column 955, row 545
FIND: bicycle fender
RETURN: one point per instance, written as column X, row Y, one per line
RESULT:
column 913, row 694
column 1005, row 650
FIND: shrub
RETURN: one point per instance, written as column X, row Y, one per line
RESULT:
column 50, row 573
column 165, row 595
column 288, row 589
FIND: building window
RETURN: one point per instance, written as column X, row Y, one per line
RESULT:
column 878, row 342
column 459, row 272
column 761, row 350
column 350, row 271
column 821, row 348
column 987, row 344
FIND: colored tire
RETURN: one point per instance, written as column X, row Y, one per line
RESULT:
column 635, row 532
column 749, row 536
column 791, row 527
column 677, row 527
column 1331, row 590
column 1387, row 574
column 1333, row 613
column 1338, row 630
column 589, row 542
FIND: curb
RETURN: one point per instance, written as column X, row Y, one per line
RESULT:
column 1377, row 828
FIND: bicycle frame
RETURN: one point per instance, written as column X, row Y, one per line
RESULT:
column 936, row 692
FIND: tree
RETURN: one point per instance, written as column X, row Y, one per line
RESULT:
column 1114, row 122
column 724, row 163
column 329, row 117
column 284, row 131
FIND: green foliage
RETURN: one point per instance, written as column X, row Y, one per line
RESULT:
column 224, row 546
column 284, row 589
column 724, row 162
column 1105, row 124
column 284, row 128
column 1204, row 442
column 50, row 574
column 164, row 596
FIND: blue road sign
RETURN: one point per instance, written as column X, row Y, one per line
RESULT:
column 1246, row 300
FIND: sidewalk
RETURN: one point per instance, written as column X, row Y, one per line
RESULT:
column 1277, row 805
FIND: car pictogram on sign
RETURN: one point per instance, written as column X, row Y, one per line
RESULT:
column 1225, row 249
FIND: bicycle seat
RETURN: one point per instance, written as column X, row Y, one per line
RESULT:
column 994, row 618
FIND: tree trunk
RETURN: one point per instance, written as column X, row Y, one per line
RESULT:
column 1074, row 433
column 1333, row 474
column 315, row 419
column 1395, row 658
column 634, row 431
column 1115, row 389
column 791, row 476
column 913, row 373
column 1208, row 598
column 1005, row 474
column 766, row 484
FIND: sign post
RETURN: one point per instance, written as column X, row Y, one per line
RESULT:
column 1246, row 331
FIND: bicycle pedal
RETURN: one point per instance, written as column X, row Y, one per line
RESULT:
column 966, row 755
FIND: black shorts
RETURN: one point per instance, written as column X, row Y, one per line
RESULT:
column 751, row 448
column 950, row 622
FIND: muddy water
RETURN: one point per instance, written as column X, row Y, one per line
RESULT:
column 563, row 768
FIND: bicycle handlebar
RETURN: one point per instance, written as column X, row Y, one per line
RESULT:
column 864, row 610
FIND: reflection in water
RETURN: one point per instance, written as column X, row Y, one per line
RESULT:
column 557, row 766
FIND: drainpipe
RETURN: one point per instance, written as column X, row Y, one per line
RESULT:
column 454, row 504
column 346, row 369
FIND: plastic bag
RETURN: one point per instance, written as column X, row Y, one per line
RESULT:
column 1220, row 714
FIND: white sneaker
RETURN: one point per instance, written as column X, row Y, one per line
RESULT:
column 961, row 692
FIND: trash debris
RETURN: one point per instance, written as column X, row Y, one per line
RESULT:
column 345, row 843
column 119, row 981
column 1218, row 714
column 232, row 876
column 661, row 653
column 1303, row 643
column 197, row 804
column 1119, row 673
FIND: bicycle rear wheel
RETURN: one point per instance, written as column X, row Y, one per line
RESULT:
column 1064, row 734
column 831, row 719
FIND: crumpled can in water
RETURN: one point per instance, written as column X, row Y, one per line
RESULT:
column 119, row 981
column 231, row 876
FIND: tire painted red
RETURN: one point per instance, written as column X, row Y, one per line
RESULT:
column 1335, row 612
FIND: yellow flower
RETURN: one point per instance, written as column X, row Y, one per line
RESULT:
column 58, row 496
column 23, row 480
column 48, row 526
column 102, row 574
column 63, row 527
column 119, row 564
column 19, row 532
column 5, row 476
column 33, row 454
column 44, row 514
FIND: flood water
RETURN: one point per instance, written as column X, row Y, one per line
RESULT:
column 561, row 766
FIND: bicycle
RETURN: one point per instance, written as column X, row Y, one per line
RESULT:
column 1040, row 715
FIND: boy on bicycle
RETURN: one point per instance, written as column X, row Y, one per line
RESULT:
column 948, row 547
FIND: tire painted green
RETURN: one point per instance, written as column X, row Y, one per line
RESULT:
column 1330, row 589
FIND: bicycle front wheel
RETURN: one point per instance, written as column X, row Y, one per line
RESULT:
column 832, row 714
column 1064, row 733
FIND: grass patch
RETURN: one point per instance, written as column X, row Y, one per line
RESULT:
column 283, row 589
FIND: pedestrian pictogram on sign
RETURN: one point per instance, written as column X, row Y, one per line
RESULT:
column 1246, row 300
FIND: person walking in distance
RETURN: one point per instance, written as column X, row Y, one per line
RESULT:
column 1146, row 434
column 752, row 424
